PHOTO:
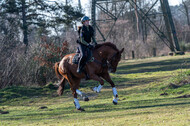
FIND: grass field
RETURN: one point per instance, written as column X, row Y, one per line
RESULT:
column 147, row 97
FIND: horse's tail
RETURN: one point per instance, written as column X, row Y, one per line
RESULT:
column 62, row 82
column 61, row 86
column 57, row 71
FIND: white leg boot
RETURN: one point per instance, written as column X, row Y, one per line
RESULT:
column 77, row 105
column 115, row 98
column 97, row 89
column 76, row 102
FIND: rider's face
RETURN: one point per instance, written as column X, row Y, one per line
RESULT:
column 86, row 23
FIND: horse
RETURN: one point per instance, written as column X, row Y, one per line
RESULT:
column 106, row 58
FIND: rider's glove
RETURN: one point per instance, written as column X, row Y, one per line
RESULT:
column 90, row 46
column 94, row 44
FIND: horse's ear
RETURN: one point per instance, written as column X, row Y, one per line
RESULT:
column 122, row 50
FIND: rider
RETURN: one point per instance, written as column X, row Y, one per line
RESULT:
column 86, row 33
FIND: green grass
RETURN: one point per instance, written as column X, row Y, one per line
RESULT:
column 139, row 83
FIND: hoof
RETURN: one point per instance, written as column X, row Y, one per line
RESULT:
column 85, row 99
column 81, row 109
column 115, row 103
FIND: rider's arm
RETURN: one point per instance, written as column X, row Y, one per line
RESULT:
column 83, row 41
column 94, row 40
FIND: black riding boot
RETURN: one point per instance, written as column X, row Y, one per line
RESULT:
column 82, row 62
column 86, row 75
column 80, row 69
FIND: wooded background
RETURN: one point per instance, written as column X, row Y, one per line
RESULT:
column 34, row 34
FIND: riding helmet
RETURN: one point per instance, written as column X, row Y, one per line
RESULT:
column 85, row 18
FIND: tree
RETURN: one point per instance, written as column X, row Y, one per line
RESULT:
column 39, row 13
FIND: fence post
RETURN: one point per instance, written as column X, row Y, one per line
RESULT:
column 133, row 54
column 154, row 52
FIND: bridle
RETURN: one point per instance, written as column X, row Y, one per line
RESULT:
column 105, row 62
column 109, row 61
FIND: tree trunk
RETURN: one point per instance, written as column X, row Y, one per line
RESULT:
column 79, row 4
column 136, row 14
column 24, row 25
column 167, row 24
column 66, row 2
column 186, row 13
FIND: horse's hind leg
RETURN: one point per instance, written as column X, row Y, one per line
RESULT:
column 76, row 102
column 74, row 85
column 80, row 93
column 83, row 95
column 97, row 89
column 61, row 86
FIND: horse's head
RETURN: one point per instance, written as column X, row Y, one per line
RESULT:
column 114, row 59
column 109, row 52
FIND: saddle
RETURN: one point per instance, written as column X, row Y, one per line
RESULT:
column 77, row 56
column 76, row 59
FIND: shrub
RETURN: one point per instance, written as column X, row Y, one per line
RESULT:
column 49, row 54
column 185, row 46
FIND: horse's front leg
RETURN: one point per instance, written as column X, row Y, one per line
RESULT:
column 107, row 77
column 97, row 78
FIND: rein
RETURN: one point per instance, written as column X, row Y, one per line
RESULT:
column 111, row 59
column 103, row 63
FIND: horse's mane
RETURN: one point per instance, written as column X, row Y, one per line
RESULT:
column 106, row 44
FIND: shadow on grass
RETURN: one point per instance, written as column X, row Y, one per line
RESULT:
column 37, row 116
column 126, row 105
column 135, row 82
column 11, row 93
column 124, row 82
column 64, row 112
column 165, row 65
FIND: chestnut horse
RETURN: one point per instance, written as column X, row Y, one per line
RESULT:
column 106, row 57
